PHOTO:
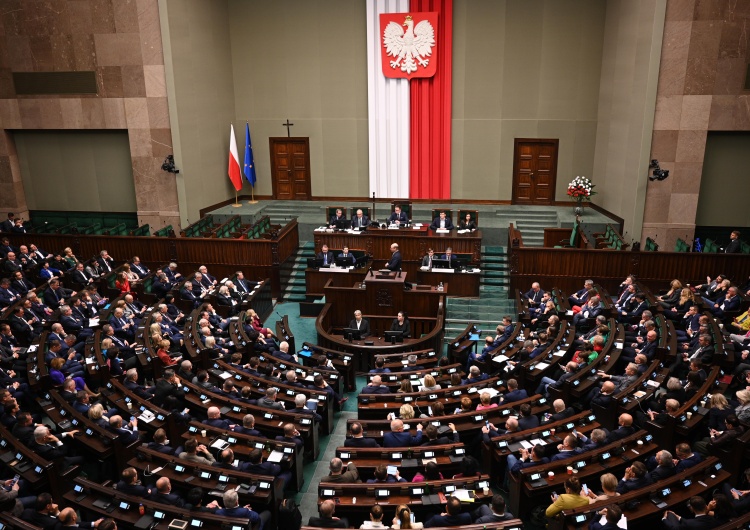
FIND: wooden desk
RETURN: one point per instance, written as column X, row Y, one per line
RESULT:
column 465, row 284
column 413, row 243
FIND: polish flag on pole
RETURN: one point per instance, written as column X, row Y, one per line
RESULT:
column 234, row 162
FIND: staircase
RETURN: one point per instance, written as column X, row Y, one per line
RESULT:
column 531, row 223
column 295, row 287
column 493, row 302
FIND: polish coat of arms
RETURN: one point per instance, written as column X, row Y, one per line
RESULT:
column 408, row 49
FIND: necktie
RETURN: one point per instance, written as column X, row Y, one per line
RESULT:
column 325, row 259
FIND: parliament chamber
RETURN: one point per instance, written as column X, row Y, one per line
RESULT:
column 483, row 264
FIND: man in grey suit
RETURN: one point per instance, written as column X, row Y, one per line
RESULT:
column 269, row 400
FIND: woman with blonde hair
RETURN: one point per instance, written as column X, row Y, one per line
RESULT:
column 718, row 411
column 485, row 402
column 430, row 383
column 96, row 414
column 403, row 518
column 682, row 306
column 671, row 297
column 609, row 487
column 743, row 410
column 69, row 257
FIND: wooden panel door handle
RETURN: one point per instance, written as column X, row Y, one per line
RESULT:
column 531, row 175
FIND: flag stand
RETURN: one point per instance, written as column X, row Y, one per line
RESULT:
column 252, row 196
column 236, row 203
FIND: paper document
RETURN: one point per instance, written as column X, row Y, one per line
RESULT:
column 526, row 444
column 500, row 358
column 541, row 366
column 463, row 495
column 275, row 456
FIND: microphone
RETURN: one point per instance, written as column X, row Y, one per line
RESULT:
column 370, row 271
column 277, row 314
column 399, row 273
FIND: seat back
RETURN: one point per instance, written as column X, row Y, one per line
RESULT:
column 462, row 215
column 365, row 211
column 331, row 211
column 405, row 207
column 448, row 213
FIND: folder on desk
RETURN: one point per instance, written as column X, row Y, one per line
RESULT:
column 431, row 499
column 409, row 462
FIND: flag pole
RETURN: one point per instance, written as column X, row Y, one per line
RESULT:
column 252, row 196
column 236, row 204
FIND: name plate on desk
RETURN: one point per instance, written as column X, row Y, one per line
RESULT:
column 444, row 270
column 424, row 287
column 338, row 269
column 442, row 231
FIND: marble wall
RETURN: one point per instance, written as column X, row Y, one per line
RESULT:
column 705, row 52
column 121, row 41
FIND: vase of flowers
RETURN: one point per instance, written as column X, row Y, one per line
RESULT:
column 580, row 189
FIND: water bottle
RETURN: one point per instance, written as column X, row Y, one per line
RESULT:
column 141, row 509
column 440, row 286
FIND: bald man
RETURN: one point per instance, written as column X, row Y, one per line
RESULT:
column 376, row 386
column 398, row 438
column 164, row 493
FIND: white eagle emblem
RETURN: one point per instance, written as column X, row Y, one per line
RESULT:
column 410, row 47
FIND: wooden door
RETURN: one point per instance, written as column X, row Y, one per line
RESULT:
column 534, row 170
column 290, row 167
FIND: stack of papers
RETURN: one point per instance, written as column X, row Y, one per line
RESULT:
column 541, row 366
column 275, row 456
column 464, row 495
column 500, row 358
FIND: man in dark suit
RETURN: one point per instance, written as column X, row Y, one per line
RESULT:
column 398, row 217
column 442, row 221
column 257, row 466
column 376, row 386
column 188, row 293
column 105, row 261
column 664, row 466
column 248, row 427
column 451, row 517
column 450, row 258
column 139, row 268
column 325, row 256
column 8, row 224
column 215, row 419
column 561, row 412
column 686, row 458
column 50, row 447
column 580, row 297
column 494, row 513
column 432, row 436
column 347, row 257
column 161, row 443
column 8, row 296
column 534, row 296
column 526, row 420
column 164, row 493
column 598, row 439
column 21, row 285
column 701, row 521
column 731, row 302
column 636, row 477
column 168, row 393
column 291, row 434
column 161, row 286
column 360, row 220
column 337, row 219
column 394, row 263
column 362, row 324
column 591, row 310
column 734, row 246
column 44, row 513
column 398, row 438
column 300, row 400
column 704, row 352
column 56, row 294
column 171, row 272
column 358, row 439
column 128, row 433
column 79, row 275
column 427, row 260
column 612, row 513
column 129, row 484
column 514, row 393
column 624, row 429
column 326, row 519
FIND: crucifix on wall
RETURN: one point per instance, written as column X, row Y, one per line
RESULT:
column 288, row 128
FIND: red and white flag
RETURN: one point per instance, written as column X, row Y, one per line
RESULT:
column 234, row 161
